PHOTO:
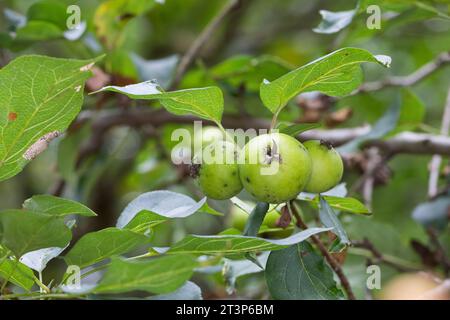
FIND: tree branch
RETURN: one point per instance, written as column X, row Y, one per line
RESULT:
column 435, row 162
column 405, row 142
column 197, row 45
column 379, row 257
column 405, row 81
column 331, row 261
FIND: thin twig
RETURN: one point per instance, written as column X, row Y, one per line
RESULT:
column 405, row 142
column 197, row 45
column 436, row 160
column 409, row 80
column 322, row 248
column 366, row 244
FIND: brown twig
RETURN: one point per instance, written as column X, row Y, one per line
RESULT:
column 409, row 80
column 436, row 160
column 405, row 142
column 204, row 36
column 322, row 248
column 378, row 256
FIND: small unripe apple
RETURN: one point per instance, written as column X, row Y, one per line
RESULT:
column 218, row 173
column 209, row 135
column 238, row 218
column 414, row 286
column 274, row 167
column 327, row 166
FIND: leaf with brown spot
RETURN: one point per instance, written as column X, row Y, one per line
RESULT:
column 47, row 94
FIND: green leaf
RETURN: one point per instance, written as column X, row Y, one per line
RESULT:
column 112, row 16
column 255, row 219
column 408, row 11
column 237, row 244
column 333, row 22
column 39, row 98
column 15, row 272
column 206, row 208
column 51, row 11
column 249, row 71
column 23, row 231
column 206, row 103
column 299, row 273
column 57, row 206
column 160, row 275
column 37, row 31
column 38, row 259
column 296, row 129
column 165, row 203
column 330, row 220
column 336, row 74
column 45, row 20
column 347, row 204
column 144, row 221
column 96, row 246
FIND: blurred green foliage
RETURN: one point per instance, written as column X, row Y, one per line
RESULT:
column 263, row 39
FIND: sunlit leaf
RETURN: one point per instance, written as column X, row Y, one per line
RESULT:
column 39, row 97
column 336, row 74
column 38, row 259
column 165, row 203
column 14, row 271
column 347, row 204
column 333, row 22
column 57, row 206
column 206, row 103
column 237, row 244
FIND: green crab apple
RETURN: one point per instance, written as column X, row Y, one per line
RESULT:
column 327, row 166
column 238, row 218
column 209, row 135
column 274, row 167
column 217, row 170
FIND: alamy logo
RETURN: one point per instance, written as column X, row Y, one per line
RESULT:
column 73, row 280
column 226, row 148
column 374, row 279
column 74, row 19
column 374, row 20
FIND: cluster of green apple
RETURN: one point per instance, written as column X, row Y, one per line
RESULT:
column 284, row 167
